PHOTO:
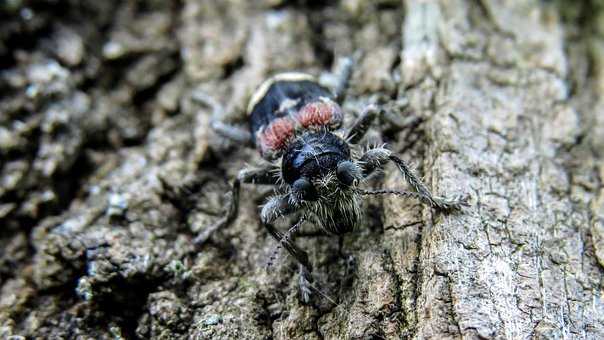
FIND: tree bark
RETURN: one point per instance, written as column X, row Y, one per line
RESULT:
column 109, row 170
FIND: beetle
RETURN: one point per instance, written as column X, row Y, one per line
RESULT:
column 296, row 125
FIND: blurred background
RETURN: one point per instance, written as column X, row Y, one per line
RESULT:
column 108, row 170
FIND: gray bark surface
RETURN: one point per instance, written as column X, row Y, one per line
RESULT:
column 108, row 170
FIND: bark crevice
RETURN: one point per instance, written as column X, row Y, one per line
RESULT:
column 108, row 170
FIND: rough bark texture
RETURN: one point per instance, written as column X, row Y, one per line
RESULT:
column 108, row 170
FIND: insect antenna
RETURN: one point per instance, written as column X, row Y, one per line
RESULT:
column 401, row 193
column 287, row 237
column 273, row 257
column 426, row 199
column 324, row 295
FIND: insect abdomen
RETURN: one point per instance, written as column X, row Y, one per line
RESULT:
column 288, row 103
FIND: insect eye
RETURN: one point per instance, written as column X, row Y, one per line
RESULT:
column 348, row 172
column 304, row 190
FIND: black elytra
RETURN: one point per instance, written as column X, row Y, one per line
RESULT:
column 269, row 105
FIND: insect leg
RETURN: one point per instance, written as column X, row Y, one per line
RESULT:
column 263, row 175
column 286, row 240
column 378, row 157
column 273, row 209
column 359, row 128
column 343, row 74
column 305, row 283
column 232, row 132
column 348, row 258
column 361, row 125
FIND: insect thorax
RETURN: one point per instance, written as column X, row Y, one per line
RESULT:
column 315, row 156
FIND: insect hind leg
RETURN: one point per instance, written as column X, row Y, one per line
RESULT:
column 338, row 80
column 235, row 133
column 343, row 74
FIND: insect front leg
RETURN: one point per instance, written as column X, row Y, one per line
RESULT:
column 287, row 242
column 280, row 206
column 273, row 209
column 377, row 157
column 235, row 133
column 261, row 175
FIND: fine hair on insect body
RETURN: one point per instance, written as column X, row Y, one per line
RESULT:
column 316, row 165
